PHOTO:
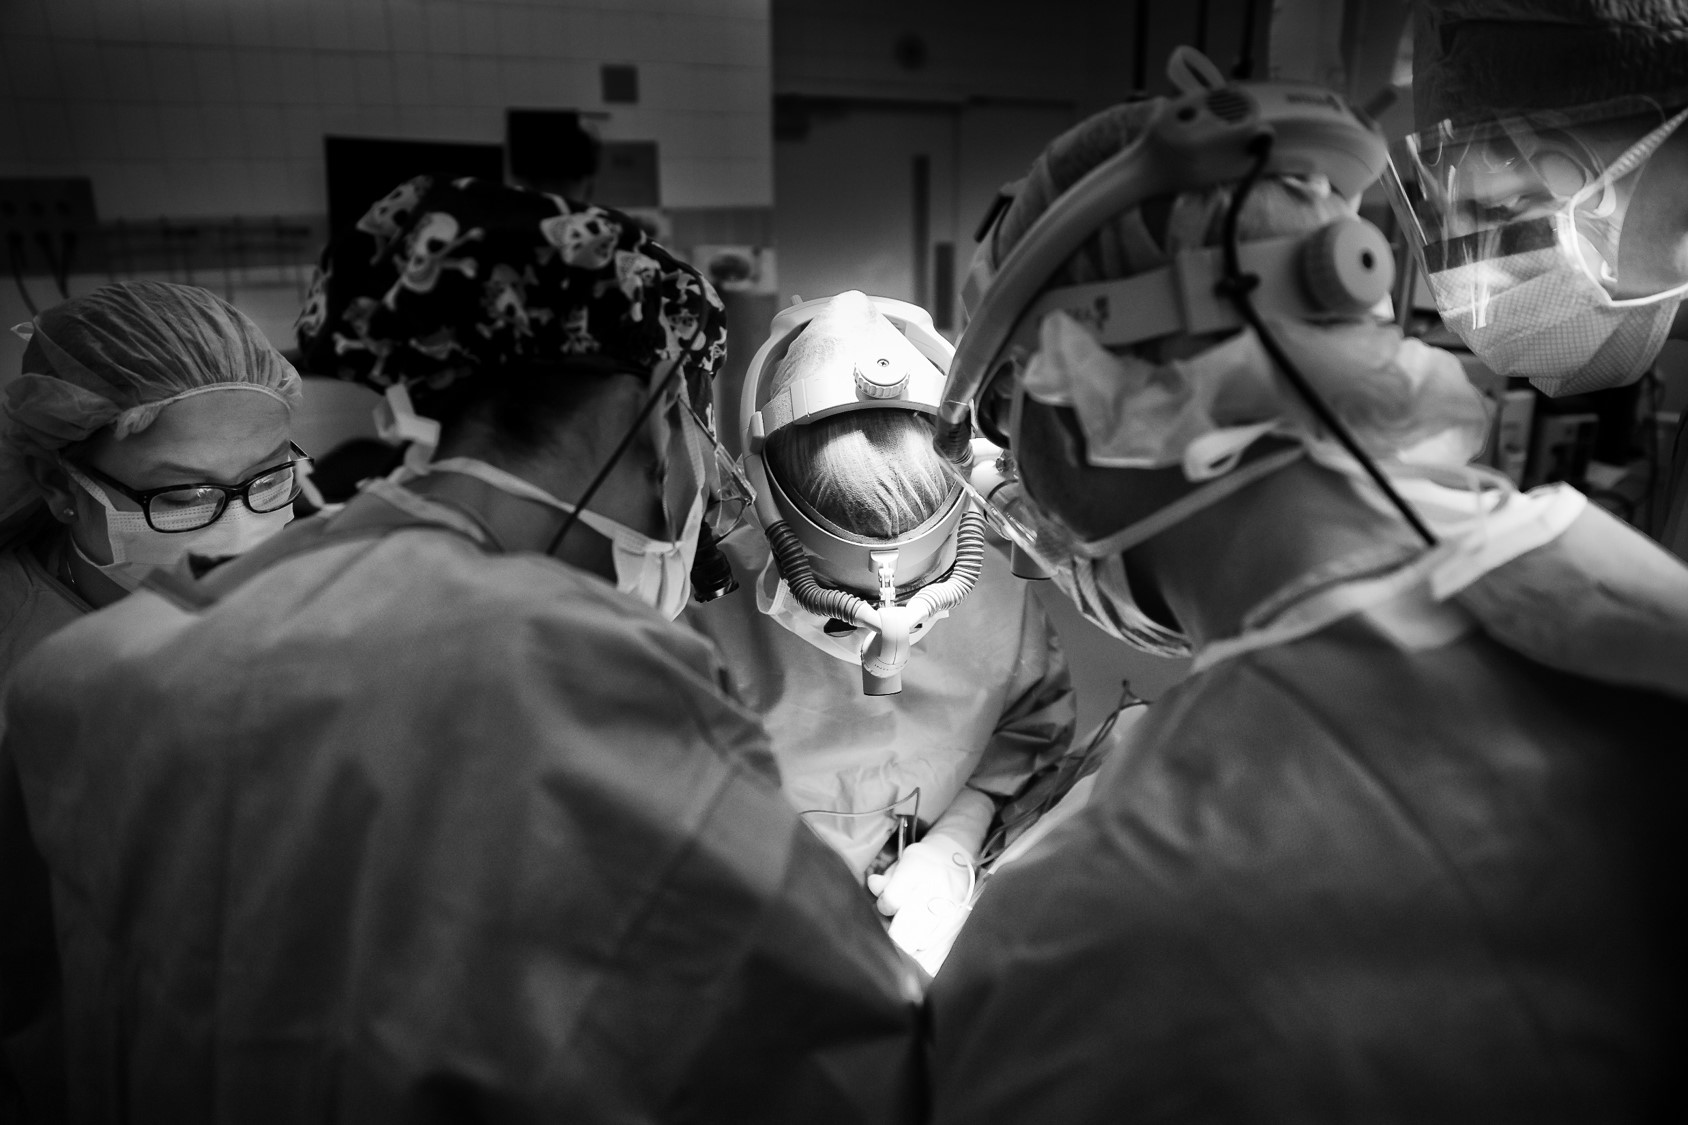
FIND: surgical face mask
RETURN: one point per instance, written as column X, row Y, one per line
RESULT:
column 1543, row 315
column 1100, row 591
column 1557, row 327
column 136, row 548
column 655, row 571
column 1202, row 414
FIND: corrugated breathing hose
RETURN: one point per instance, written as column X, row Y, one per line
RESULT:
column 810, row 594
column 963, row 575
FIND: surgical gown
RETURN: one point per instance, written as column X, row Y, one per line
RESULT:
column 400, row 829
column 1379, row 873
column 986, row 702
column 33, row 603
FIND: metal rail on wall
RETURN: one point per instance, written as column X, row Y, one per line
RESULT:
column 232, row 253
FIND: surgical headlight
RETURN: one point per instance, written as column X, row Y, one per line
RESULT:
column 1206, row 138
column 1075, row 517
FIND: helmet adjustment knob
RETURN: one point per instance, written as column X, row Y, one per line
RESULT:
column 1347, row 267
column 880, row 379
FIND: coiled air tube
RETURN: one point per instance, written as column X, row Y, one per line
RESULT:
column 885, row 654
column 963, row 575
column 827, row 601
column 806, row 588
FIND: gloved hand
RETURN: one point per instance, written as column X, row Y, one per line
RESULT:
column 927, row 891
column 933, row 868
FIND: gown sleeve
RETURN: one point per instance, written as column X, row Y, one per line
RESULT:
column 31, row 1061
column 1035, row 732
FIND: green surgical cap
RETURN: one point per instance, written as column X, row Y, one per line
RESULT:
column 116, row 358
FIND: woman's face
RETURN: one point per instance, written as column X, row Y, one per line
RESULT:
column 219, row 437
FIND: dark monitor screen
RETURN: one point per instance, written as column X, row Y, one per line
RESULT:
column 362, row 170
column 549, row 146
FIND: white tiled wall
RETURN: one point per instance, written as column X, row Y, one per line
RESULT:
column 218, row 107
column 1080, row 52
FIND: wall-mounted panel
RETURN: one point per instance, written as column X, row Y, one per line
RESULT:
column 198, row 109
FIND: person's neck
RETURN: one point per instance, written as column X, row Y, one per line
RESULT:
column 1216, row 566
column 521, row 524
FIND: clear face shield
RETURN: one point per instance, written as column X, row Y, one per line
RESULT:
column 1555, row 244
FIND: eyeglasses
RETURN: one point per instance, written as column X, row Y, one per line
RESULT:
column 190, row 507
column 733, row 494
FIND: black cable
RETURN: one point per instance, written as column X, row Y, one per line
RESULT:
column 1128, row 698
column 603, row 473
column 17, row 276
column 1236, row 285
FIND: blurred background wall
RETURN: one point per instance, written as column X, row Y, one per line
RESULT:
column 791, row 147
column 201, row 124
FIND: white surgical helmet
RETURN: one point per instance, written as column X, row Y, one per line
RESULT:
column 840, row 355
column 848, row 327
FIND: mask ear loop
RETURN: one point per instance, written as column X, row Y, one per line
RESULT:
column 1236, row 286
column 621, row 448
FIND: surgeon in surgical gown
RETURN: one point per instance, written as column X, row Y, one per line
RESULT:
column 427, row 811
column 1408, row 843
column 133, row 389
column 985, row 704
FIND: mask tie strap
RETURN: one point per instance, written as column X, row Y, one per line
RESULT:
column 397, row 423
column 1631, row 158
column 1217, row 452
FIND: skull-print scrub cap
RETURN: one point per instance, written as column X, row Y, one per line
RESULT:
column 446, row 280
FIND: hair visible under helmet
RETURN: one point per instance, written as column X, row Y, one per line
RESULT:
column 116, row 358
column 870, row 472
